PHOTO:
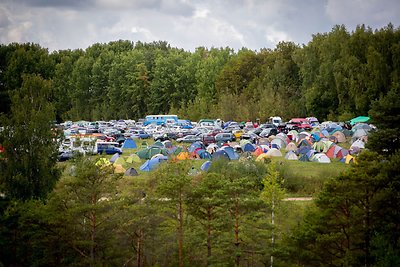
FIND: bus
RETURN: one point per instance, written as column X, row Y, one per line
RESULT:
column 160, row 119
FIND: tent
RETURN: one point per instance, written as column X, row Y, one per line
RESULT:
column 290, row 155
column 102, row 162
column 304, row 142
column 159, row 144
column 316, row 136
column 183, row 156
column 129, row 144
column 133, row 158
column 159, row 156
column 196, row 145
column 273, row 152
column 311, row 153
column 131, row 172
column 150, row 164
column 359, row 119
column 348, row 159
column 114, row 157
column 291, row 147
column 263, row 141
column 258, row 151
column 248, row 147
column 321, row 158
column 203, row 154
column 292, row 135
column 319, row 146
column 263, row 157
column 336, row 151
column 358, row 143
column 303, row 149
column 220, row 154
column 278, row 142
column 118, row 168
column 147, row 153
column 167, row 144
column 231, row 152
column 340, row 137
column 205, row 166
column 120, row 161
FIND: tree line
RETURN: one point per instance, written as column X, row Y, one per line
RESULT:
column 337, row 75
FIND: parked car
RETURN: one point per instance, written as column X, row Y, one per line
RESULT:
column 164, row 136
column 208, row 139
column 237, row 133
column 189, row 139
column 225, row 137
column 140, row 134
column 299, row 124
column 108, row 148
column 268, row 132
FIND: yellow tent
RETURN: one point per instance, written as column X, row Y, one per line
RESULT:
column 133, row 158
column 183, row 156
column 118, row 168
column 262, row 157
column 102, row 162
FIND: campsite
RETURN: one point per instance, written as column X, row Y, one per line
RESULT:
column 324, row 143
column 143, row 154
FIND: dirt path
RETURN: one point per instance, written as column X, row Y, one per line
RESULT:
column 298, row 199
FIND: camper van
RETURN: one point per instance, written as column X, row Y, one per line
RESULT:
column 275, row 120
column 78, row 144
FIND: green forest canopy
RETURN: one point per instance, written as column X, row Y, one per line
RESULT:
column 336, row 76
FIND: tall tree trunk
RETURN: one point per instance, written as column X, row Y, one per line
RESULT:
column 139, row 249
column 180, row 232
column 93, row 240
column 209, row 229
column 273, row 234
column 237, row 243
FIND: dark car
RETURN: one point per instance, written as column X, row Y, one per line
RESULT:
column 208, row 139
column 109, row 148
column 268, row 132
column 165, row 136
column 225, row 137
column 66, row 155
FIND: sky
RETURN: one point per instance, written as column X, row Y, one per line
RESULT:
column 187, row 24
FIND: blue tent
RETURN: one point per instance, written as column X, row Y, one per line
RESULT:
column 303, row 149
column 205, row 166
column 221, row 154
column 315, row 136
column 203, row 154
column 231, row 152
column 150, row 164
column 248, row 148
column 129, row 143
column 196, row 145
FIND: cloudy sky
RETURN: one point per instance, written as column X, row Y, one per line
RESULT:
column 187, row 24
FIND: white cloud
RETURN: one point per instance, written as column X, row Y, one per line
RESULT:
column 275, row 36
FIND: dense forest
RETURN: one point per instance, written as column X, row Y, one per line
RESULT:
column 336, row 76
column 83, row 213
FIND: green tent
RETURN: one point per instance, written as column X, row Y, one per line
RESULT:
column 359, row 119
column 149, row 152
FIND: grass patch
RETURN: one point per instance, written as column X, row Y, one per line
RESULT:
column 307, row 178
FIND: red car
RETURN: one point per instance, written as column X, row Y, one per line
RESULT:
column 299, row 123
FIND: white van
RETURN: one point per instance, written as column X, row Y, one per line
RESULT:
column 275, row 120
